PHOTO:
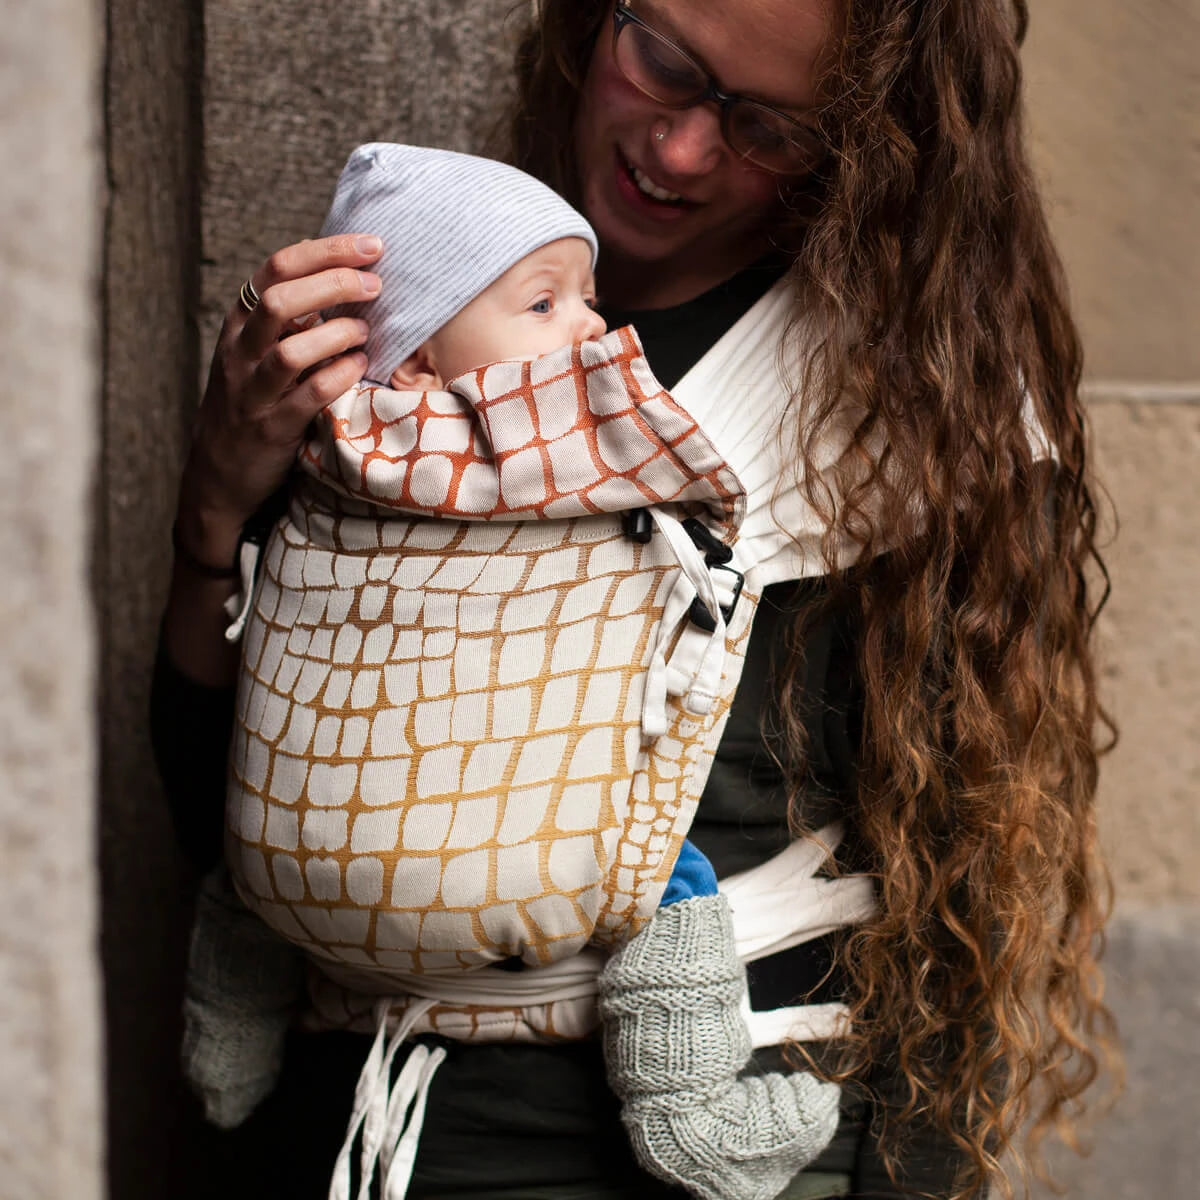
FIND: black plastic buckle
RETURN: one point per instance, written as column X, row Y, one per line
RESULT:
column 716, row 558
column 638, row 525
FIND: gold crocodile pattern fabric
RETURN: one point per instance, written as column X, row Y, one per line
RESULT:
column 438, row 761
column 653, row 815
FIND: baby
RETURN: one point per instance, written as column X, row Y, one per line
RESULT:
column 476, row 799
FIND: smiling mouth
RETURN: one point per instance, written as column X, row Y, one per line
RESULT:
column 648, row 187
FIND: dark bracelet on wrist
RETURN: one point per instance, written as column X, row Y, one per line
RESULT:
column 194, row 564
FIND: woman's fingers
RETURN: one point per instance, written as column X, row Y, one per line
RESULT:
column 272, row 370
column 302, row 259
column 317, row 255
column 328, row 257
column 288, row 359
column 320, row 388
column 283, row 304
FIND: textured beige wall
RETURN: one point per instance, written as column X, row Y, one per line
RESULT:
column 1114, row 96
column 1114, row 92
column 50, row 1062
column 1150, row 459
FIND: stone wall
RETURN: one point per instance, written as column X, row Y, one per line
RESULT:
column 1114, row 92
column 50, row 1054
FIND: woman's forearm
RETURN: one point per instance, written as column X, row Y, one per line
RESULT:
column 194, row 622
column 274, row 368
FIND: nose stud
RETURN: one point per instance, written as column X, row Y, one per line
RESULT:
column 660, row 135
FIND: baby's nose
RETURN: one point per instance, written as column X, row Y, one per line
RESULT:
column 591, row 326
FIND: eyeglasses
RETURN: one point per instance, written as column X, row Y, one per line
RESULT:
column 666, row 73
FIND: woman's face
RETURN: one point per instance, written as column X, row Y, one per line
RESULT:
column 676, row 210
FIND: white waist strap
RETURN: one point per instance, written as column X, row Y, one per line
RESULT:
column 777, row 905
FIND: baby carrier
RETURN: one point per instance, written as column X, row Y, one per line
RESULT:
column 479, row 698
column 481, row 735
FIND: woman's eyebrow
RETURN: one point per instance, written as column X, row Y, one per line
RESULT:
column 664, row 24
column 661, row 20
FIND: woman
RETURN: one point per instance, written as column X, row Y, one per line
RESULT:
column 934, row 686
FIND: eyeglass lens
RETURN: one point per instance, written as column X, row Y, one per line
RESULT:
column 665, row 73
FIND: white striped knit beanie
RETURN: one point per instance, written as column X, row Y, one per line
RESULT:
column 451, row 224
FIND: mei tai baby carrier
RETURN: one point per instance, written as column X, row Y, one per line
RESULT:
column 481, row 734
column 479, row 700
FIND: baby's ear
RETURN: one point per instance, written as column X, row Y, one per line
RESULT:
column 417, row 373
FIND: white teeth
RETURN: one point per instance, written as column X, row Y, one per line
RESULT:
column 650, row 188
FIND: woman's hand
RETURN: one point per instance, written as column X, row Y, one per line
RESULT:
column 272, row 371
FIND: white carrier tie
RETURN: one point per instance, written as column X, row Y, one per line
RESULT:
column 391, row 1115
column 696, row 675
column 789, row 884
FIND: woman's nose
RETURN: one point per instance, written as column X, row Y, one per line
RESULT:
column 689, row 141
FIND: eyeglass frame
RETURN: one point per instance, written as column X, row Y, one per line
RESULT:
column 624, row 15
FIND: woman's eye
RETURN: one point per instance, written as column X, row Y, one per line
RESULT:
column 540, row 306
column 664, row 63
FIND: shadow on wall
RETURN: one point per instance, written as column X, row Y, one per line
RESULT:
column 1147, row 1146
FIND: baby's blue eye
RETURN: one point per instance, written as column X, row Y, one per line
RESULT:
column 540, row 306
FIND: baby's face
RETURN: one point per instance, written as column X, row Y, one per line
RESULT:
column 537, row 305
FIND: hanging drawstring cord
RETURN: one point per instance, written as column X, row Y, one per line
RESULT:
column 390, row 1131
column 398, row 1153
column 237, row 607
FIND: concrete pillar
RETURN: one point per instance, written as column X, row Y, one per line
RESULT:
column 154, row 154
column 50, row 1058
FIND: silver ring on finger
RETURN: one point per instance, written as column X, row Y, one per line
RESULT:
column 248, row 297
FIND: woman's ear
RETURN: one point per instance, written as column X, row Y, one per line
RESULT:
column 417, row 373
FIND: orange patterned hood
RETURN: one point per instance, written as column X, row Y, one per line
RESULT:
column 586, row 429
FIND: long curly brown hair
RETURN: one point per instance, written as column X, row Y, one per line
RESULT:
column 925, row 275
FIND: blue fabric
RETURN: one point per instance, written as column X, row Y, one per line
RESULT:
column 693, row 876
